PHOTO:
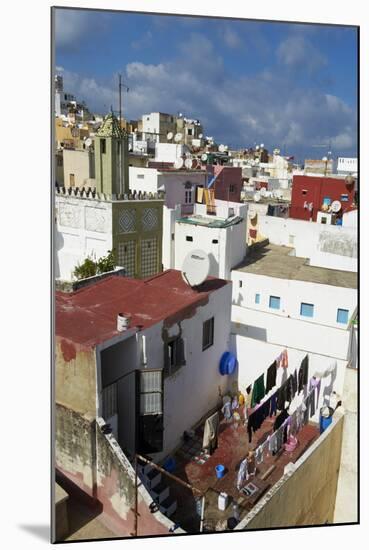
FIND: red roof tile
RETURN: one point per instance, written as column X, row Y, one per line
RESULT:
column 89, row 315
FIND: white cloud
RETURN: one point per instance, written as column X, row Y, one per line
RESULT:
column 296, row 51
column 266, row 107
column 143, row 42
column 231, row 38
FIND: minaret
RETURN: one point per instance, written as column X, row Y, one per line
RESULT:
column 111, row 158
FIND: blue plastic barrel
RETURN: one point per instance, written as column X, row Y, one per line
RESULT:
column 325, row 421
column 219, row 470
column 228, row 363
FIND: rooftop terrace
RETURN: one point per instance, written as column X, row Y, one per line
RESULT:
column 275, row 261
column 210, row 222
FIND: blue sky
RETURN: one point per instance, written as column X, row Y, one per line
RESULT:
column 286, row 85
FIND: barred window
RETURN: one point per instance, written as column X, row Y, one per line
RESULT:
column 109, row 401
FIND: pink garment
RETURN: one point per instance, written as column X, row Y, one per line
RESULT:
column 282, row 359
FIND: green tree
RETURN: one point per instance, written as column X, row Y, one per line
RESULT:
column 90, row 266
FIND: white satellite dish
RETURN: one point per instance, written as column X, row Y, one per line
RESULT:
column 188, row 163
column 336, row 206
column 195, row 267
column 221, row 148
column 263, row 191
column 257, row 148
column 170, row 135
column 200, row 136
column 257, row 196
column 188, row 155
column 178, row 137
column 226, row 148
column 204, row 157
column 88, row 142
column 262, row 145
column 257, row 161
column 178, row 163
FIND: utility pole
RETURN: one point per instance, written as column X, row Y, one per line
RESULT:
column 121, row 186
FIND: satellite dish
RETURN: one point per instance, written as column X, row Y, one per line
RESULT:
column 204, row 157
column 226, row 147
column 188, row 163
column 261, row 145
column 221, row 148
column 188, row 155
column 88, row 142
column 170, row 135
column 257, row 148
column 178, row 137
column 336, row 206
column 257, row 161
column 178, row 163
column 263, row 192
column 195, row 267
column 257, row 196
column 200, row 136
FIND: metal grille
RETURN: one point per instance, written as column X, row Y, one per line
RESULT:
column 109, row 401
column 127, row 257
column 149, row 257
column 150, row 381
column 151, row 392
column 150, row 403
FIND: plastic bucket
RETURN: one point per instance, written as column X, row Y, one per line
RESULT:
column 325, row 421
column 219, row 471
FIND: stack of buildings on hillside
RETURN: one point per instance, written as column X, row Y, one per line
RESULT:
column 145, row 363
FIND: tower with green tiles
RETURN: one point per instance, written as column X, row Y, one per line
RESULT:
column 111, row 158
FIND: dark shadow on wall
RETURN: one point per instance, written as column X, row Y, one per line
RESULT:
column 258, row 333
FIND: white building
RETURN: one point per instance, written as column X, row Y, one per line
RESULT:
column 156, row 126
column 222, row 236
column 347, row 166
column 280, row 302
column 169, row 152
column 328, row 246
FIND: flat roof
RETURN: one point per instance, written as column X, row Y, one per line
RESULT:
column 89, row 316
column 210, row 222
column 274, row 261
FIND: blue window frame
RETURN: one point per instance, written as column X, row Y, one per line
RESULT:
column 344, row 198
column 307, row 310
column 342, row 316
column 327, row 201
column 257, row 298
column 274, row 302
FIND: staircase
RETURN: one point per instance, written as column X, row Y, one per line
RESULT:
column 159, row 491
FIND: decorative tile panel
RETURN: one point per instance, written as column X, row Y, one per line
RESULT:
column 127, row 257
column 149, row 219
column 149, row 257
column 127, row 220
column 95, row 219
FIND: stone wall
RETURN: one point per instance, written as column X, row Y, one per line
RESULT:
column 306, row 494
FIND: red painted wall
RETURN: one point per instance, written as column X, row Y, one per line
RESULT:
column 228, row 175
column 318, row 187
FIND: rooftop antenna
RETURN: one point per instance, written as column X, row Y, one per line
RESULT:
column 121, row 187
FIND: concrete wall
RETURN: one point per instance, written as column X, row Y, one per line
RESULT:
column 306, row 494
column 347, row 490
column 293, row 333
column 79, row 163
column 149, row 181
column 75, row 377
column 116, row 491
column 169, row 220
column 176, row 184
column 74, row 445
column 330, row 246
column 84, row 227
column 325, row 298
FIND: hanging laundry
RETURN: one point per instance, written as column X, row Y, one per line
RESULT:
column 226, row 410
column 250, row 465
column 271, row 377
column 210, row 438
column 235, row 403
column 259, row 454
column 273, row 404
column 241, row 399
column 258, row 391
column 280, row 419
column 303, row 373
column 257, row 417
column 272, row 444
column 315, row 383
column 241, row 474
column 282, row 359
column 284, row 395
column 248, row 396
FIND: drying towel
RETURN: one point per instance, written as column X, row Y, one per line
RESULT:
column 258, row 391
column 271, row 376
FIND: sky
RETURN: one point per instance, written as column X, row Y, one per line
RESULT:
column 291, row 86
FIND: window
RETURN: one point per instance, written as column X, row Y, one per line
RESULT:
column 103, row 146
column 215, row 241
column 172, row 236
column 60, row 161
column 188, row 197
column 150, row 420
column 274, row 302
column 189, row 131
column 109, row 401
column 189, row 238
column 232, row 188
column 140, row 176
column 257, row 298
column 208, row 334
column 323, row 219
column 71, row 180
column 304, row 192
column 342, row 316
column 327, row 201
column 307, row 310
column 174, row 357
column 240, row 284
column 344, row 198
